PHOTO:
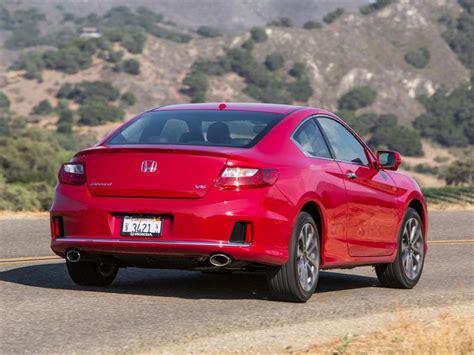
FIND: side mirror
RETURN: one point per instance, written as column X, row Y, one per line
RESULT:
column 387, row 159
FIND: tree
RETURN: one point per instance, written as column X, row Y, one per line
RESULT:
column 460, row 173
column 197, row 86
column 128, row 99
column 419, row 58
column 298, row 70
column 332, row 16
column 282, row 22
column 131, row 66
column 43, row 108
column 358, row 97
column 65, row 122
column 274, row 61
column 311, row 25
column 258, row 34
column 300, row 89
column 96, row 111
column 4, row 101
column 208, row 31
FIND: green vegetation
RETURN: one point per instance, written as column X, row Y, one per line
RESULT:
column 459, row 34
column 387, row 134
column 375, row 6
column 449, row 195
column 460, row 172
column 4, row 101
column 300, row 90
column 24, row 25
column 196, row 81
column 298, row 70
column 207, row 31
column 449, row 117
column 98, row 111
column 65, row 122
column 274, row 61
column 129, row 66
column 358, row 97
column 311, row 25
column 248, row 44
column 419, row 58
column 132, row 39
column 384, row 132
column 128, row 99
column 258, row 34
column 29, row 162
column 282, row 22
column 332, row 16
column 43, row 108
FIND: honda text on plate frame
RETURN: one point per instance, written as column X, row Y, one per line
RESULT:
column 285, row 189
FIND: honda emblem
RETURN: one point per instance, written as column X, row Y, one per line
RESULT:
column 149, row 166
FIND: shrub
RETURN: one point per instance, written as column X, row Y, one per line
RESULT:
column 360, row 96
column 387, row 134
column 449, row 117
column 4, row 101
column 207, row 31
column 460, row 172
column 282, row 22
column 248, row 44
column 298, row 70
column 131, row 66
column 375, row 6
column 134, row 41
column 332, row 16
column 128, row 99
column 311, row 25
column 300, row 90
column 362, row 124
column 419, row 58
column 274, row 61
column 96, row 111
column 258, row 34
column 43, row 108
column 65, row 122
column 88, row 89
column 162, row 32
column 196, row 81
column 32, row 63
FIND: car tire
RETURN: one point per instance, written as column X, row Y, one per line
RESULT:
column 86, row 273
column 406, row 269
column 287, row 282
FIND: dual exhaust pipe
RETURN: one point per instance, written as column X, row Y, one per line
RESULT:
column 220, row 260
column 217, row 260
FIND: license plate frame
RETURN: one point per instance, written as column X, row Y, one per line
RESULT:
column 134, row 226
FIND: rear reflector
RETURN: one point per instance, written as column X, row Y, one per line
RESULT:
column 236, row 177
column 57, row 227
column 72, row 174
column 242, row 233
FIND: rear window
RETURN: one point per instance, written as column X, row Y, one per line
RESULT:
column 198, row 127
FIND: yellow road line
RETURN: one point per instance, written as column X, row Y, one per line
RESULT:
column 32, row 259
column 28, row 259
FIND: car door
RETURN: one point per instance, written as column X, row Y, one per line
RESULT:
column 371, row 193
column 323, row 177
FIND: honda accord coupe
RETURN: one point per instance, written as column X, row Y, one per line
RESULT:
column 282, row 189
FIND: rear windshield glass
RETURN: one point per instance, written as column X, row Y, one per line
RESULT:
column 198, row 127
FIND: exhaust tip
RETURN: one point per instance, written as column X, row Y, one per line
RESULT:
column 73, row 256
column 220, row 260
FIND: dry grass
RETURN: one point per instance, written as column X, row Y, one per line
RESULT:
column 445, row 335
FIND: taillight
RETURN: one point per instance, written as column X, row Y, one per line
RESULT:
column 72, row 174
column 235, row 177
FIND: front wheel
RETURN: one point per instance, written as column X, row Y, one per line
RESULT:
column 87, row 273
column 296, row 280
column 406, row 270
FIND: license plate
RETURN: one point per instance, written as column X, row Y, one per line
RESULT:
column 141, row 227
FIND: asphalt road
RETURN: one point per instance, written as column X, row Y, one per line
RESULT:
column 42, row 311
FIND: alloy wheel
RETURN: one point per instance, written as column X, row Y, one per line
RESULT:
column 412, row 248
column 307, row 257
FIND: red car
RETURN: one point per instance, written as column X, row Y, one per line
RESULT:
column 222, row 187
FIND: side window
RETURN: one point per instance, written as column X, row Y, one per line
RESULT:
column 345, row 146
column 311, row 140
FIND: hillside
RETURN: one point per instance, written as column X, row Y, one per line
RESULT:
column 397, row 71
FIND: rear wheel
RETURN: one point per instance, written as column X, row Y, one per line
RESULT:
column 296, row 280
column 406, row 270
column 86, row 273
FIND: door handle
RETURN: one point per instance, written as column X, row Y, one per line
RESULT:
column 351, row 175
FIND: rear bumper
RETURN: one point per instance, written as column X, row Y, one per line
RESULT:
column 192, row 228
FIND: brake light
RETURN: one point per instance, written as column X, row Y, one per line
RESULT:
column 235, row 177
column 72, row 174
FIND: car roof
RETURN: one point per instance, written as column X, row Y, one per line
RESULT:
column 234, row 106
